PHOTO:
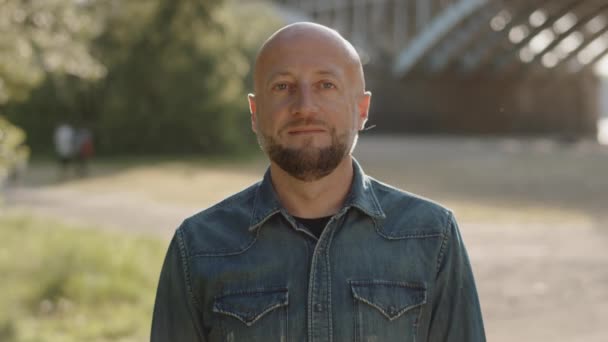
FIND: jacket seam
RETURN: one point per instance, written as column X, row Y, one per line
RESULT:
column 415, row 235
column 184, row 258
column 411, row 285
column 379, row 210
column 407, row 236
column 221, row 253
column 444, row 243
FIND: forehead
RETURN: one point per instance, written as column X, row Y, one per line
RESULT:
column 304, row 63
column 298, row 54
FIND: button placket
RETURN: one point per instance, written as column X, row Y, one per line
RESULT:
column 319, row 316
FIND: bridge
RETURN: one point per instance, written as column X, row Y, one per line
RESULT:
column 474, row 66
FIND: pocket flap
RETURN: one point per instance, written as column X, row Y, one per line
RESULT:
column 249, row 306
column 392, row 299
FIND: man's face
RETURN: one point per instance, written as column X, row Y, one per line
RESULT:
column 309, row 104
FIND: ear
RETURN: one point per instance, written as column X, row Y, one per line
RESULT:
column 252, row 110
column 363, row 106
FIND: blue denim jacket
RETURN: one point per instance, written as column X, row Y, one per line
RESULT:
column 389, row 266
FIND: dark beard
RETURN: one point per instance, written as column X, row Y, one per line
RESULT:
column 308, row 164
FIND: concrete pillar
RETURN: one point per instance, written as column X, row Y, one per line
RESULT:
column 400, row 24
column 359, row 22
column 424, row 10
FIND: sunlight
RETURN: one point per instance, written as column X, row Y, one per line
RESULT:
column 602, row 131
column 601, row 67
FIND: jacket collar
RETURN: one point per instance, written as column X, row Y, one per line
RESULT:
column 361, row 196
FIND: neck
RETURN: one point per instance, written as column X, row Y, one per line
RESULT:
column 320, row 198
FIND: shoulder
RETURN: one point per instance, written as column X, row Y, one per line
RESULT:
column 221, row 229
column 408, row 214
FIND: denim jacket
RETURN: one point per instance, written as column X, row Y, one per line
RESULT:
column 389, row 266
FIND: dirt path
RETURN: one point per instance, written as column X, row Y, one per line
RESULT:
column 540, row 277
column 110, row 211
column 541, row 283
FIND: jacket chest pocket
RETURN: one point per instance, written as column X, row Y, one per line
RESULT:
column 386, row 310
column 255, row 315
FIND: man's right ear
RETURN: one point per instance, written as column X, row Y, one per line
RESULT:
column 252, row 110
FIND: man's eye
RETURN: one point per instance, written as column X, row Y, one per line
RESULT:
column 328, row 85
column 281, row 86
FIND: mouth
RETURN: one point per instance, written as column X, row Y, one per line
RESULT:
column 306, row 131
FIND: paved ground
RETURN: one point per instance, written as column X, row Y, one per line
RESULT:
column 542, row 273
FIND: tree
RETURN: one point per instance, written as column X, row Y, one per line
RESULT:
column 41, row 37
column 173, row 76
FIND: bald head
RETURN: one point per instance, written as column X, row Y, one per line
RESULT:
column 307, row 37
column 310, row 100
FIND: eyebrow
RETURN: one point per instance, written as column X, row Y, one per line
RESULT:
column 274, row 75
column 277, row 74
column 327, row 72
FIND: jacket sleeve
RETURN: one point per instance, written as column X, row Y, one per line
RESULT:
column 455, row 313
column 176, row 314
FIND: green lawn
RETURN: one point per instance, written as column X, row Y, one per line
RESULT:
column 70, row 283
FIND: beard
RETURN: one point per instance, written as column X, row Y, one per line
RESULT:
column 308, row 163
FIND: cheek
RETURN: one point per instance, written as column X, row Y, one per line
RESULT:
column 334, row 106
column 275, row 106
column 271, row 116
column 346, row 115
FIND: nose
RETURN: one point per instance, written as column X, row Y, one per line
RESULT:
column 304, row 101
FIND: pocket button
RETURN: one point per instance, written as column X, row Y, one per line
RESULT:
column 318, row 307
column 392, row 310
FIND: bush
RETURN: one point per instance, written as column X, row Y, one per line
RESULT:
column 14, row 153
column 67, row 283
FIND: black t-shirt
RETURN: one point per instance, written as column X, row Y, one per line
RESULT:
column 315, row 225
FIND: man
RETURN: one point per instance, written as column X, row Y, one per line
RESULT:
column 317, row 251
column 63, row 139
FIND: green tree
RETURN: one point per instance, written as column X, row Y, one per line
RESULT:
column 14, row 154
column 175, row 78
column 38, row 38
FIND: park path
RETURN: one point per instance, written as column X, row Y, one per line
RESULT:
column 537, row 281
column 114, row 211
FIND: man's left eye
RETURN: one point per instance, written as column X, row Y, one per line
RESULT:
column 328, row 85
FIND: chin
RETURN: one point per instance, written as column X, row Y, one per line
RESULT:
column 311, row 149
column 310, row 142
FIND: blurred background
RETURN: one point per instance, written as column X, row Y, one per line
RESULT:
column 118, row 119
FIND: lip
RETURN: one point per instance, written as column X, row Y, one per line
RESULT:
column 311, row 130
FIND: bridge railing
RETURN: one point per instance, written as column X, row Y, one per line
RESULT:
column 469, row 36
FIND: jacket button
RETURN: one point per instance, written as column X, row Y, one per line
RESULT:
column 318, row 307
column 392, row 310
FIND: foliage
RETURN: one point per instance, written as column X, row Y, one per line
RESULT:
column 174, row 78
column 41, row 37
column 67, row 283
column 45, row 36
column 14, row 154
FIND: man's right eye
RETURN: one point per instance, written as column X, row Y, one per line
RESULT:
column 280, row 86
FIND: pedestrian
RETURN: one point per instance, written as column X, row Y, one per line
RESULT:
column 64, row 140
column 84, row 149
column 317, row 250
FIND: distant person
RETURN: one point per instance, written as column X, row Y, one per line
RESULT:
column 64, row 140
column 84, row 149
column 317, row 250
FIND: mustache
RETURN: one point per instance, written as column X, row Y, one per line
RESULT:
column 304, row 122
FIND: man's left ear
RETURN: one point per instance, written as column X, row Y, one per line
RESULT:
column 364, row 103
column 253, row 111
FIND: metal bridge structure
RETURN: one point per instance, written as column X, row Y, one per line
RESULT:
column 474, row 66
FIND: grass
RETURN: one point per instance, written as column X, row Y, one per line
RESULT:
column 65, row 283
